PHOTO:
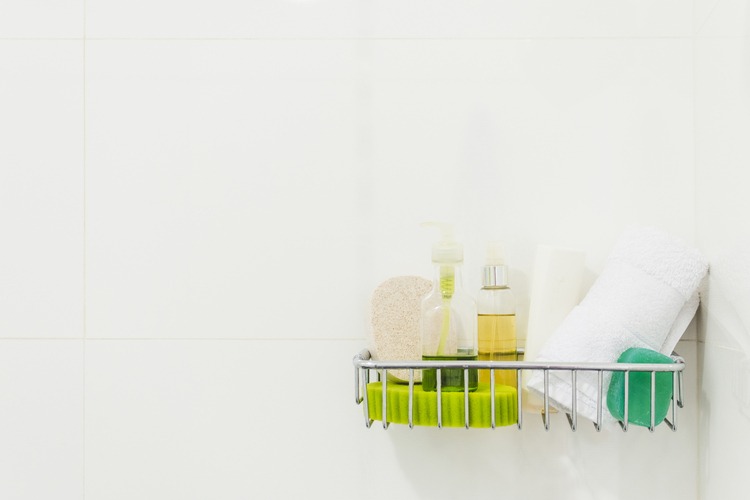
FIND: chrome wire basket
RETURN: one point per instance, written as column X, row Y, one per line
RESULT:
column 364, row 366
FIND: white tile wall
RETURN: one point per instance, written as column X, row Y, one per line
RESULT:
column 724, row 401
column 722, row 107
column 535, row 18
column 722, row 153
column 42, row 19
column 193, row 419
column 41, row 188
column 253, row 170
column 197, row 419
column 531, row 133
column 222, row 18
column 222, row 189
column 390, row 18
column 41, row 419
column 311, row 100
column 702, row 10
column 722, row 18
column 517, row 140
column 722, row 83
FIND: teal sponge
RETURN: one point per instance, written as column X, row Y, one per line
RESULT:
column 639, row 389
column 425, row 405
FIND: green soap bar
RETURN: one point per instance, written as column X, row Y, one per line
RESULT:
column 425, row 405
column 639, row 389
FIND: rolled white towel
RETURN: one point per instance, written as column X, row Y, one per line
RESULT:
column 645, row 297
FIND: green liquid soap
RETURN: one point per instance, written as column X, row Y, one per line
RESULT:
column 451, row 379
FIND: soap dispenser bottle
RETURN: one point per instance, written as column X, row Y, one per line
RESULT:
column 496, row 320
column 448, row 320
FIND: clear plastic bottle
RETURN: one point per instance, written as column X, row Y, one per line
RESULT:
column 496, row 307
column 448, row 320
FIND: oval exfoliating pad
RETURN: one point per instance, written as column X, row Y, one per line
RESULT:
column 394, row 322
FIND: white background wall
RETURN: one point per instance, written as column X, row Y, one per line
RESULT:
column 722, row 159
column 197, row 199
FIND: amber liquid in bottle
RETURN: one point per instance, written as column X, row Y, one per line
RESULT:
column 496, row 319
column 497, row 342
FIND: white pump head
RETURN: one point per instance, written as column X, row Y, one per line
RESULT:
column 447, row 250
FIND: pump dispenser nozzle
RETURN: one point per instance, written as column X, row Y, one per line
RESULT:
column 447, row 252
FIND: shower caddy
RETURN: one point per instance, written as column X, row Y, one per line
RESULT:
column 364, row 365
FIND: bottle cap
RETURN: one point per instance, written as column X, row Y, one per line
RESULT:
column 495, row 272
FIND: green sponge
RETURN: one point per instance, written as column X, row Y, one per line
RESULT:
column 639, row 389
column 425, row 405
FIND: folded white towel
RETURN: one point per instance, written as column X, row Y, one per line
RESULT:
column 645, row 297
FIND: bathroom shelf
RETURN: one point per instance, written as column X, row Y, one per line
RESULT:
column 364, row 366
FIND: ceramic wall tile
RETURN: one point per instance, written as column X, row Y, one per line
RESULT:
column 388, row 19
column 196, row 419
column 702, row 10
column 528, row 142
column 724, row 430
column 222, row 190
column 722, row 153
column 223, row 19
column 42, row 19
column 722, row 18
column 225, row 419
column 249, row 171
column 41, row 419
column 41, row 188
column 536, row 18
column 722, row 111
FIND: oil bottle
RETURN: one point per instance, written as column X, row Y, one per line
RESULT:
column 448, row 320
column 496, row 319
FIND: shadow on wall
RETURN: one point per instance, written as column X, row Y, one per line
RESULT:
column 724, row 317
column 704, row 417
column 481, row 463
column 531, row 463
column 724, row 322
column 724, row 367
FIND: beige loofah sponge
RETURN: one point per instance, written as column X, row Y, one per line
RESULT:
column 394, row 322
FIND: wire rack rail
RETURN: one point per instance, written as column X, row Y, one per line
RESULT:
column 364, row 366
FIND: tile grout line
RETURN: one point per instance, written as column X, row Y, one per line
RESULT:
column 694, row 30
column 40, row 38
column 85, row 240
column 698, row 371
column 345, row 38
column 84, row 168
column 387, row 38
column 202, row 339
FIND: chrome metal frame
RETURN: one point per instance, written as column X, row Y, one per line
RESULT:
column 363, row 364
